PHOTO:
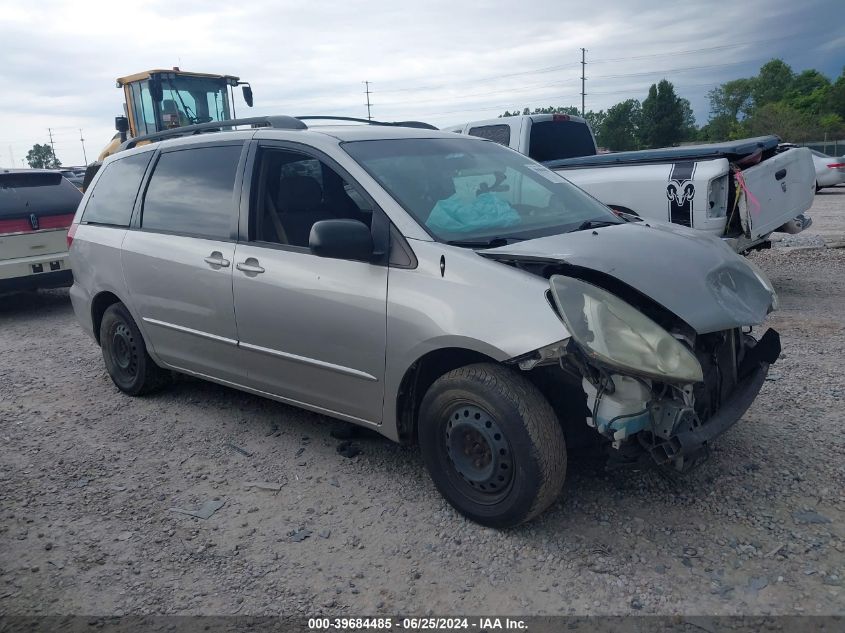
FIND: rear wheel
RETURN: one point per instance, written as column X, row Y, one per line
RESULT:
column 492, row 444
column 125, row 354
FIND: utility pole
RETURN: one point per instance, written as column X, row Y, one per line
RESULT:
column 82, row 140
column 50, row 130
column 583, row 78
column 368, row 93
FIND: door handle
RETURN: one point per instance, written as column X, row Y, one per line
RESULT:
column 216, row 259
column 250, row 266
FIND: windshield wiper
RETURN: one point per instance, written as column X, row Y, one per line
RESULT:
column 593, row 224
column 490, row 242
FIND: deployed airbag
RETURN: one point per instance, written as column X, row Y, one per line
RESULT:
column 458, row 214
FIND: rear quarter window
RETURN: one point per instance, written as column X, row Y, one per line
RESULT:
column 191, row 192
column 41, row 193
column 555, row 140
column 113, row 196
column 499, row 133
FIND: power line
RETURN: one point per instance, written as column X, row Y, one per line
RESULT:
column 547, row 69
column 545, row 98
column 684, row 52
column 511, row 90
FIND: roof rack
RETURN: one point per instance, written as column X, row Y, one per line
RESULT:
column 281, row 122
column 416, row 124
column 277, row 122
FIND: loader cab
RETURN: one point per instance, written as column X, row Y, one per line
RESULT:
column 158, row 100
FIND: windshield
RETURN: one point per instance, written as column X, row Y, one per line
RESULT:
column 467, row 190
column 185, row 101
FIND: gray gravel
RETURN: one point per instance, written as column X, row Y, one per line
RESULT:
column 89, row 479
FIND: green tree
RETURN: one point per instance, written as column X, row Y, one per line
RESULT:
column 664, row 116
column 571, row 110
column 722, row 128
column 780, row 118
column 809, row 92
column 832, row 125
column 620, row 128
column 836, row 96
column 595, row 120
column 732, row 99
column 774, row 80
column 42, row 157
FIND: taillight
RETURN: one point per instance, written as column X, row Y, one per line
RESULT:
column 836, row 165
column 70, row 233
column 560, row 117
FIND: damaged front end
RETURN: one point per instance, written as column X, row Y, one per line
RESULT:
column 652, row 388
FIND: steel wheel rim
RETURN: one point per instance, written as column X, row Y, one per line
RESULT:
column 478, row 453
column 123, row 351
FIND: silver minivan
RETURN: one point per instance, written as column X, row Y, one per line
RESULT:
column 441, row 290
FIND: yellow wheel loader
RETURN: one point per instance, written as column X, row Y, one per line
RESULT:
column 159, row 100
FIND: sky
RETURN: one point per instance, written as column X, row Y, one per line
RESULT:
column 441, row 62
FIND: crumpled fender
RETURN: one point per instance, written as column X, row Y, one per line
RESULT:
column 692, row 274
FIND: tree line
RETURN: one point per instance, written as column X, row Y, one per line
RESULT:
column 797, row 107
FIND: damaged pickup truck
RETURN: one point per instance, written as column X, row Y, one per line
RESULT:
column 741, row 191
column 439, row 289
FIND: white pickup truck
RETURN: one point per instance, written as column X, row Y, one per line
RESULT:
column 741, row 190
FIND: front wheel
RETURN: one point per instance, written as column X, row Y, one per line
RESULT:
column 492, row 444
column 125, row 354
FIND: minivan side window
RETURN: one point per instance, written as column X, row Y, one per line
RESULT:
column 191, row 191
column 113, row 196
column 295, row 191
column 499, row 133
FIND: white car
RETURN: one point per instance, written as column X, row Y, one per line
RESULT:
column 830, row 170
column 36, row 209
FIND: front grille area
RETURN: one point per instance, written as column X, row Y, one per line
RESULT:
column 718, row 354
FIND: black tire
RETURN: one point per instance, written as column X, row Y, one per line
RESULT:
column 492, row 444
column 125, row 354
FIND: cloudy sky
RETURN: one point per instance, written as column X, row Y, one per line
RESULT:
column 443, row 62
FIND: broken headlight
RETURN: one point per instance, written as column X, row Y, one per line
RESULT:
column 615, row 333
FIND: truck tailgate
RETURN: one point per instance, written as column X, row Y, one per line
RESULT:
column 779, row 189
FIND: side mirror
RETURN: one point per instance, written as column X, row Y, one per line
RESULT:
column 342, row 239
column 247, row 90
column 156, row 92
column 121, row 124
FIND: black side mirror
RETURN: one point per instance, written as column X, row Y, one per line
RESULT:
column 121, row 124
column 247, row 90
column 342, row 239
column 156, row 91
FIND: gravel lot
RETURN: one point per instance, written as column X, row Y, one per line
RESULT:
column 88, row 478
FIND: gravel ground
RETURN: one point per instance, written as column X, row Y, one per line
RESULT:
column 89, row 477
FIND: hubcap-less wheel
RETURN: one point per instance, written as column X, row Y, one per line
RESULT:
column 124, row 354
column 479, row 453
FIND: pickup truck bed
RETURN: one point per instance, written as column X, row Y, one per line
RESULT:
column 741, row 191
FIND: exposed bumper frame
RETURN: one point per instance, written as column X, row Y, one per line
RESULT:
column 692, row 440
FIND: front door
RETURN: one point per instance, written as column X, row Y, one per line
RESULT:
column 312, row 329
